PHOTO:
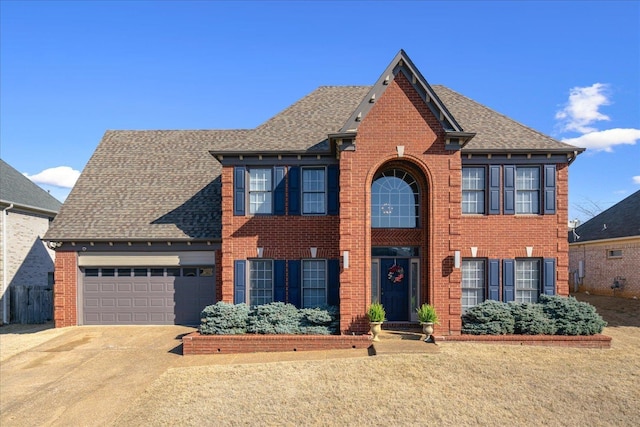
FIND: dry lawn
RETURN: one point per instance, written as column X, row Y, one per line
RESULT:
column 465, row 384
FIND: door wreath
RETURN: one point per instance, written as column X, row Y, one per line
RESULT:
column 395, row 274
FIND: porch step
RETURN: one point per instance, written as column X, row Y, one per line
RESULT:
column 402, row 326
column 402, row 342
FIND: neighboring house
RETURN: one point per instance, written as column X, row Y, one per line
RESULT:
column 398, row 192
column 604, row 252
column 26, row 263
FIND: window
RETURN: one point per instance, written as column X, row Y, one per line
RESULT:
column 260, row 282
column 394, row 200
column 313, row 191
column 473, row 187
column 527, row 190
column 614, row 253
column 260, row 187
column 314, row 283
column 527, row 280
column 473, row 283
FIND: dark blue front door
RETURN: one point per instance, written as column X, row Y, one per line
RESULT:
column 394, row 289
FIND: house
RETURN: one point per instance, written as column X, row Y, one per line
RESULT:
column 399, row 192
column 27, row 264
column 604, row 252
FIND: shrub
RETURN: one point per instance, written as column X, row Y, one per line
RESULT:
column 553, row 315
column 530, row 319
column 572, row 317
column 488, row 318
column 223, row 318
column 319, row 321
column 274, row 318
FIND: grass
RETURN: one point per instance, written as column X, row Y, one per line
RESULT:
column 464, row 384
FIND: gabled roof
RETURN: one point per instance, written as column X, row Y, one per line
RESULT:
column 18, row 189
column 619, row 221
column 165, row 185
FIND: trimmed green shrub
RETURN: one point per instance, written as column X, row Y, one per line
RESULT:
column 488, row 318
column 376, row 312
column 553, row 315
column 530, row 319
column 571, row 316
column 319, row 321
column 274, row 318
column 223, row 318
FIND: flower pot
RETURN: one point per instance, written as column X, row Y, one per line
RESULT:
column 427, row 329
column 376, row 327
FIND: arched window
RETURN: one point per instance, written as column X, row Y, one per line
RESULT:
column 394, row 200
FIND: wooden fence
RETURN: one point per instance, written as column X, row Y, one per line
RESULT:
column 31, row 304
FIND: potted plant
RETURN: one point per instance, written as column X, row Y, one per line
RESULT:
column 376, row 316
column 428, row 317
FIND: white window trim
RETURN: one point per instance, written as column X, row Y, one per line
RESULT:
column 325, row 192
column 248, row 280
column 249, row 191
column 326, row 280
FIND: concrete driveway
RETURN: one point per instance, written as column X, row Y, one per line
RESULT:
column 91, row 375
column 85, row 375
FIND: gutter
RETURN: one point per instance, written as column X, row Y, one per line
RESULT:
column 27, row 207
column 5, row 311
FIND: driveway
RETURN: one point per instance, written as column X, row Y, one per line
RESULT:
column 91, row 375
column 85, row 375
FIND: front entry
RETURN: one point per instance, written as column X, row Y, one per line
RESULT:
column 394, row 289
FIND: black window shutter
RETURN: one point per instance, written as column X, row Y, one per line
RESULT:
column 549, row 275
column 279, row 191
column 509, row 190
column 238, row 191
column 494, row 190
column 494, row 279
column 333, row 284
column 294, row 190
column 280, row 280
column 333, row 184
column 508, row 280
column 240, row 282
column 294, row 283
column 549, row 189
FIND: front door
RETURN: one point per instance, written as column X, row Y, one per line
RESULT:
column 394, row 289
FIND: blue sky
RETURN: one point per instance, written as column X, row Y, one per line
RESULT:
column 71, row 70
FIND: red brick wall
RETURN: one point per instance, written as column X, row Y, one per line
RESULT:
column 400, row 117
column 507, row 236
column 65, row 290
column 282, row 237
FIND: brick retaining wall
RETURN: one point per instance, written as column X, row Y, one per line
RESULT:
column 195, row 343
column 580, row 341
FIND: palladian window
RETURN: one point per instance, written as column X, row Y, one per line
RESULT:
column 394, row 200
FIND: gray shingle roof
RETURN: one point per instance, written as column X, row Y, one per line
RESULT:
column 620, row 220
column 495, row 131
column 18, row 189
column 165, row 184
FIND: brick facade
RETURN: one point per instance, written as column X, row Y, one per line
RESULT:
column 65, row 291
column 600, row 269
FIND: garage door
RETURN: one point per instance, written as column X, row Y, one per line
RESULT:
column 146, row 295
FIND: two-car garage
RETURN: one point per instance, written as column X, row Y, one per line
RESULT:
column 145, row 288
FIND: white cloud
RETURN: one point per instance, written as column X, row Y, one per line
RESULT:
column 636, row 179
column 606, row 139
column 61, row 176
column 582, row 108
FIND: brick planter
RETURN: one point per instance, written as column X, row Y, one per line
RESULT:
column 195, row 343
column 580, row 341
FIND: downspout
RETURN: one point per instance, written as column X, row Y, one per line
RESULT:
column 5, row 289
